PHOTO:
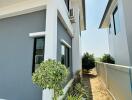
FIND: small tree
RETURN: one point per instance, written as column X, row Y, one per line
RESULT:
column 107, row 59
column 88, row 61
column 51, row 74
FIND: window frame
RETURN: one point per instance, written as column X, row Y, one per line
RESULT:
column 67, row 57
column 114, row 22
column 34, row 51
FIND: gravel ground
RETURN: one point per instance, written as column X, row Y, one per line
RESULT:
column 96, row 89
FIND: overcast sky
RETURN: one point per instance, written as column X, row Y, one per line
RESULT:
column 95, row 40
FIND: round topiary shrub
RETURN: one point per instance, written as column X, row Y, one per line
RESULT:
column 88, row 61
column 51, row 74
column 107, row 59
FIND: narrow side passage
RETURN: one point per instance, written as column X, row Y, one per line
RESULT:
column 94, row 86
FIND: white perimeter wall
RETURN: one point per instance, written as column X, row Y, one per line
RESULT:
column 117, row 79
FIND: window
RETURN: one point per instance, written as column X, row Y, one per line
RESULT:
column 38, row 53
column 67, row 4
column 109, row 28
column 65, row 55
column 80, row 24
column 116, row 21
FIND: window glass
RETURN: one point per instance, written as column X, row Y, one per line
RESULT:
column 65, row 55
column 62, row 54
column 109, row 28
column 38, row 56
column 116, row 21
column 68, row 56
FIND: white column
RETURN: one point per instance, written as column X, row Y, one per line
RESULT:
column 51, row 31
column 50, row 40
column 76, row 45
column 76, row 55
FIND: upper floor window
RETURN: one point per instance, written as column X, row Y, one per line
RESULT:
column 109, row 28
column 38, row 53
column 116, row 21
column 67, row 4
column 65, row 55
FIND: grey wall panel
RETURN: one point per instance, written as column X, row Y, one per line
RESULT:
column 63, row 34
column 16, row 52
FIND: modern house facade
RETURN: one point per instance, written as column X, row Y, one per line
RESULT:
column 117, row 18
column 32, row 31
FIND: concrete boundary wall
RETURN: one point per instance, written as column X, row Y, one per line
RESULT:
column 117, row 79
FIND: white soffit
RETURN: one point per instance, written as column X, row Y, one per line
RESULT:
column 109, row 14
column 18, row 7
column 4, row 3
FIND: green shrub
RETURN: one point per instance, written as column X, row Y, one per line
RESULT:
column 51, row 74
column 70, row 97
column 77, row 91
column 88, row 61
column 78, row 77
column 107, row 59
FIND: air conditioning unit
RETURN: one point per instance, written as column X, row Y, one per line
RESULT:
column 72, row 15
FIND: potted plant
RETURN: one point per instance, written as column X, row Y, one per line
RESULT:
column 51, row 75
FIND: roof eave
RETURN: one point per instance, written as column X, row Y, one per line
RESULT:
column 105, row 13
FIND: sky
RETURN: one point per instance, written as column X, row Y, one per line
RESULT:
column 95, row 40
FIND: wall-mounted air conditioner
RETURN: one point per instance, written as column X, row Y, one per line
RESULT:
column 72, row 15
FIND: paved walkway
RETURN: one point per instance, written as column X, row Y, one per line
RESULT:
column 94, row 87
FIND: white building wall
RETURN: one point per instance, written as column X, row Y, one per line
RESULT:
column 111, row 39
column 127, row 7
column 118, row 43
column 55, row 10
